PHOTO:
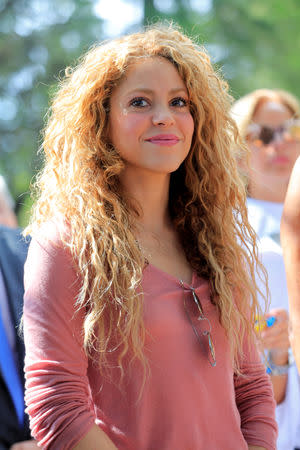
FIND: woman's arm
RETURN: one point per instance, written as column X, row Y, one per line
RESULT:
column 279, row 382
column 290, row 241
column 254, row 447
column 275, row 339
column 57, row 388
column 95, row 439
column 255, row 401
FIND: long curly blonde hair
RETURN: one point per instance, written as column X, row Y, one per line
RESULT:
column 80, row 182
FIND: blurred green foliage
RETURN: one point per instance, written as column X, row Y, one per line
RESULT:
column 38, row 39
column 254, row 43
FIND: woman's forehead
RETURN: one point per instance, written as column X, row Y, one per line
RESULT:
column 149, row 71
column 272, row 108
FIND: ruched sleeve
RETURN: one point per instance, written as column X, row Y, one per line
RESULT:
column 57, row 388
column 255, row 401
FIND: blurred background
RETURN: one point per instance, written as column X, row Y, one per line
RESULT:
column 254, row 43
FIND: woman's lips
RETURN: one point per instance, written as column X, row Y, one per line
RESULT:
column 280, row 160
column 164, row 139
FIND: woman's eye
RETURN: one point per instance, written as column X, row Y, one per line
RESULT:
column 179, row 101
column 139, row 102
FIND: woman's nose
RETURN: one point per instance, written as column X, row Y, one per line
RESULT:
column 279, row 137
column 162, row 116
column 278, row 142
column 278, row 145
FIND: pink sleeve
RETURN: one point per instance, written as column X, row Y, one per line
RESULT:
column 57, row 387
column 255, row 401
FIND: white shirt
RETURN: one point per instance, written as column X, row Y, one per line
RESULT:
column 265, row 219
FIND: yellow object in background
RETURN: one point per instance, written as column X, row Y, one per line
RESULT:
column 261, row 323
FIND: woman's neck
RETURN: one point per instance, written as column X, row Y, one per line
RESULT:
column 151, row 192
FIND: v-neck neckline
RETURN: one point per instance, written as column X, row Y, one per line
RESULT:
column 172, row 277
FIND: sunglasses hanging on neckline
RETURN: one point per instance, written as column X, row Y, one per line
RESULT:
column 200, row 324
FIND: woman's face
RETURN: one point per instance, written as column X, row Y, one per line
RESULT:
column 150, row 123
column 271, row 163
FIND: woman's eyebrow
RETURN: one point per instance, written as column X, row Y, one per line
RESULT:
column 151, row 91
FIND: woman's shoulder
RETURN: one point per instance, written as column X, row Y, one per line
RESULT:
column 50, row 258
column 52, row 235
column 50, row 247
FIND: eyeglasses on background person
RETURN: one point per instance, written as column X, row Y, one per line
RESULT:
column 263, row 135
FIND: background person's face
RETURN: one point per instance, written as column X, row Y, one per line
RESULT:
column 271, row 164
column 150, row 123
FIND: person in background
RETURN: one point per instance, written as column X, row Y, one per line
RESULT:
column 139, row 303
column 290, row 238
column 7, row 215
column 14, row 424
column 269, row 122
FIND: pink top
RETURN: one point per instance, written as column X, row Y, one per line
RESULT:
column 185, row 404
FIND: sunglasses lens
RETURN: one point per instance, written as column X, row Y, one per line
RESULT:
column 266, row 135
column 213, row 361
column 262, row 135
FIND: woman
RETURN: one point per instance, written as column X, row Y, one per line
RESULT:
column 139, row 309
column 269, row 121
column 290, row 237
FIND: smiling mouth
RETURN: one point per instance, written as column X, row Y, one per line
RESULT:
column 165, row 140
